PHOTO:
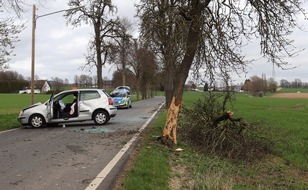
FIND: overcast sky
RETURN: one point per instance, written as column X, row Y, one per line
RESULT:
column 60, row 48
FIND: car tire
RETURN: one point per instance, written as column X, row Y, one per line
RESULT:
column 36, row 121
column 101, row 117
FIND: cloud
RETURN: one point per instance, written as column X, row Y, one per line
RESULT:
column 60, row 48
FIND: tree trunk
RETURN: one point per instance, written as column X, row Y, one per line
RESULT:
column 99, row 76
column 169, row 87
column 169, row 133
column 138, row 88
column 99, row 63
column 194, row 33
column 123, row 63
column 123, row 76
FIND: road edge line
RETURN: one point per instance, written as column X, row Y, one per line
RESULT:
column 102, row 175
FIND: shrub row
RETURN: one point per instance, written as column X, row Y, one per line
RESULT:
column 12, row 86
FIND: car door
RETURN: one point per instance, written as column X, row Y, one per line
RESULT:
column 88, row 102
column 49, row 107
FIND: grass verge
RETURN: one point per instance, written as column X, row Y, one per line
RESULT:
column 8, row 121
column 149, row 169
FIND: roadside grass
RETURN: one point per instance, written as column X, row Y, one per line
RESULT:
column 8, row 121
column 285, row 168
column 150, row 168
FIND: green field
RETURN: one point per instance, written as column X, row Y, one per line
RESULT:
column 293, row 90
column 285, row 168
column 13, row 103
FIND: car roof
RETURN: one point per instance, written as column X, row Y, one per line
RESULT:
column 123, row 87
column 80, row 90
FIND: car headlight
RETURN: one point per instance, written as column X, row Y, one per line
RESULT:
column 20, row 113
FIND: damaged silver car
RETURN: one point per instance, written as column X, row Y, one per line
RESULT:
column 70, row 106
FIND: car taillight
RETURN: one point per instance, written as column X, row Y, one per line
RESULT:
column 110, row 100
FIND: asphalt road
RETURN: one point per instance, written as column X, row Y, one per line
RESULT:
column 70, row 157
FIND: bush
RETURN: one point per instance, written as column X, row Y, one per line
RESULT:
column 210, row 128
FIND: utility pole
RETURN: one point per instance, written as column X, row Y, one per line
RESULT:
column 33, row 53
column 34, row 19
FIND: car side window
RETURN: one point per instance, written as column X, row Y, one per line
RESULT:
column 88, row 95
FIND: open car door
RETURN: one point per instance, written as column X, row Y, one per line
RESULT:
column 49, row 108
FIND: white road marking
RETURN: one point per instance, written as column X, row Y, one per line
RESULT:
column 9, row 130
column 101, row 176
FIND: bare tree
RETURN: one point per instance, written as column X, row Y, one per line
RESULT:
column 8, row 36
column 8, row 28
column 85, row 81
column 57, row 83
column 297, row 83
column 15, row 6
column 148, row 74
column 123, row 47
column 129, row 75
column 76, row 80
column 163, row 30
column 98, row 13
column 247, row 85
column 211, row 34
column 284, row 83
column 272, row 85
column 257, row 86
column 135, row 64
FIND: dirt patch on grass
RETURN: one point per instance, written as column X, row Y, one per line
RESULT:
column 290, row 95
column 180, row 177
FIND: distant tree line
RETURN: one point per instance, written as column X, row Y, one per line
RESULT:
column 297, row 83
column 11, row 82
column 258, row 86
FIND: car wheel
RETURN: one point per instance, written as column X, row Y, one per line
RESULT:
column 37, row 121
column 101, row 117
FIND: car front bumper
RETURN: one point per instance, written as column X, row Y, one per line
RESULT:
column 23, row 120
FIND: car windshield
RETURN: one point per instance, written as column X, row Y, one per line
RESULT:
column 118, row 94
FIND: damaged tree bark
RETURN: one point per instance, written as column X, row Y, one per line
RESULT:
column 169, row 133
